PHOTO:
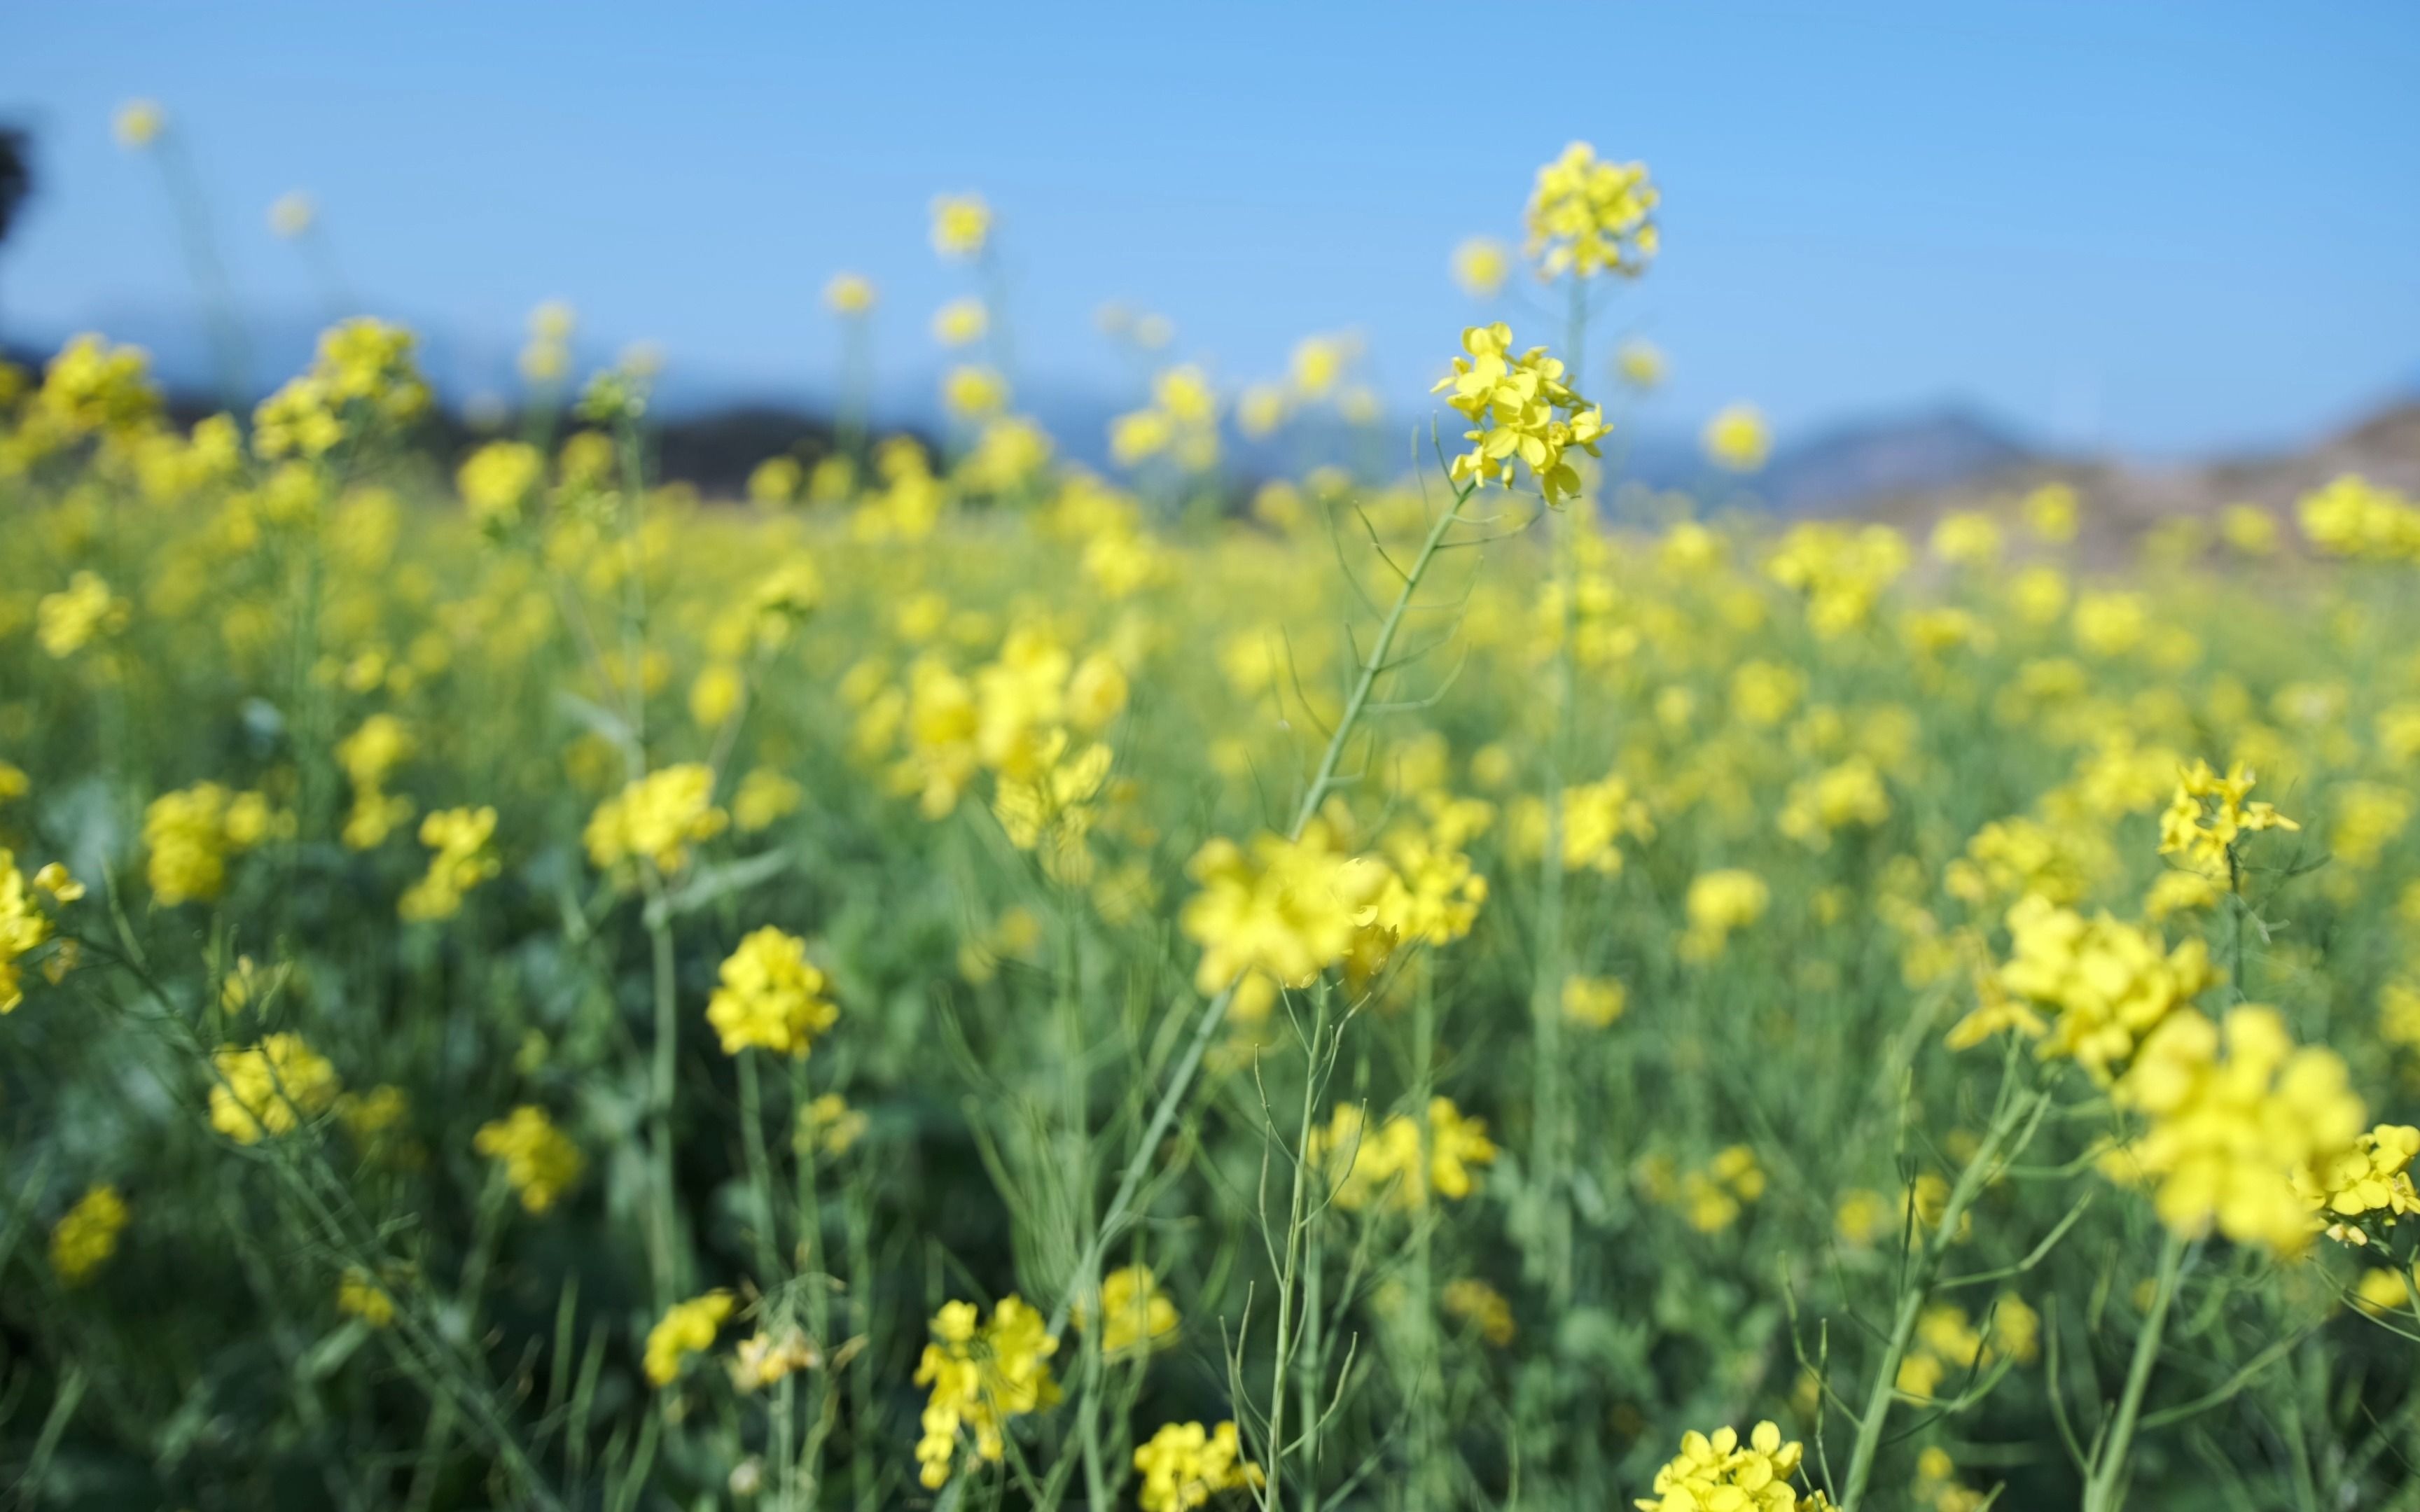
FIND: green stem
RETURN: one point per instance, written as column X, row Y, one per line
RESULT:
column 2010, row 1131
column 1115, row 1217
column 2106, row 1488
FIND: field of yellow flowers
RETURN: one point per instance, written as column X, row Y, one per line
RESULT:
column 962, row 981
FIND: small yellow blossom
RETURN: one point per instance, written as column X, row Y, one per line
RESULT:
column 270, row 1088
column 771, row 998
column 686, row 1328
column 539, row 1161
column 85, row 1236
column 981, row 1375
column 1721, row 1474
column 659, row 817
column 1184, row 1465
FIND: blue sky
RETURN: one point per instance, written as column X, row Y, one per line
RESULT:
column 2157, row 228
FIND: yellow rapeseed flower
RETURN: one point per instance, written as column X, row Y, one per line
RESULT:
column 86, row 1235
column 539, row 1161
column 269, row 1087
column 1184, row 1465
column 771, row 998
column 981, row 1375
column 1719, row 1474
column 686, row 1328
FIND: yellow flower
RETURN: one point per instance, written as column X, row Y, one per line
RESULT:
column 138, row 123
column 2110, row 985
column 1719, row 905
column 765, row 797
column 2373, row 1177
column 764, row 1359
column 270, row 1088
column 1640, row 363
column 981, row 1375
column 974, row 392
column 659, row 817
column 2352, row 517
column 68, row 621
column 830, row 1124
column 292, row 214
column 1182, row 1465
column 770, row 997
column 1367, row 1166
column 460, row 837
column 1595, row 1001
column 86, row 1235
column 1521, row 410
column 849, row 294
column 961, row 322
column 961, row 225
column 25, row 925
column 1833, row 799
column 1139, row 1318
column 686, row 1328
column 1480, row 266
column 359, row 1295
column 497, row 480
column 2235, row 1141
column 1721, row 1474
column 2049, row 512
column 1481, row 1306
column 1588, row 216
column 1737, row 440
column 2208, row 816
column 1287, row 908
column 539, row 1161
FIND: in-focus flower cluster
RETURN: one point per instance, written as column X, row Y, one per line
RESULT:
column 2360, row 1192
column 1521, row 410
column 2208, row 816
column 1722, row 1475
column 1184, row 1465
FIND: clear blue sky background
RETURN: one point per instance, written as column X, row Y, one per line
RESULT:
column 2162, row 227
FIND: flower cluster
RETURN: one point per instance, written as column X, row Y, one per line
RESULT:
column 658, row 817
column 2352, row 517
column 1286, row 909
column 1948, row 1347
column 269, row 1087
column 539, row 1161
column 1138, row 1316
column 2107, row 984
column 1841, row 570
column 1721, row 1474
column 369, row 756
column 1720, row 904
column 771, row 996
column 1521, row 410
column 1381, row 1167
column 2367, row 1186
column 1588, row 216
column 25, row 924
column 86, row 1235
column 1184, row 1465
column 981, row 1375
column 2208, row 816
column 2241, row 1124
column 190, row 834
column 460, row 837
column 686, row 1328
column 68, row 621
column 364, row 373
